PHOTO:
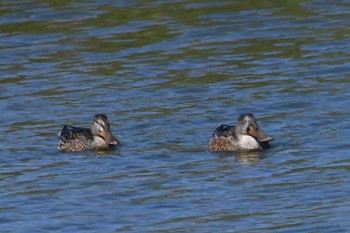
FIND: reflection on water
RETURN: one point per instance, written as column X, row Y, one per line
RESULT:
column 248, row 157
column 167, row 73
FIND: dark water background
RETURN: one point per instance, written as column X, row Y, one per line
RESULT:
column 167, row 73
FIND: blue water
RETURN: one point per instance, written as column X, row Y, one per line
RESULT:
column 167, row 73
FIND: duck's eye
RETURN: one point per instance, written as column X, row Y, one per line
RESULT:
column 100, row 123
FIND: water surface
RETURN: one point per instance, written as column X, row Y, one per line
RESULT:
column 167, row 73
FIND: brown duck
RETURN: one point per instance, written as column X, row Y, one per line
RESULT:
column 246, row 135
column 98, row 137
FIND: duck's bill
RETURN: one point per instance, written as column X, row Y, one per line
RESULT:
column 113, row 141
column 259, row 134
column 109, row 138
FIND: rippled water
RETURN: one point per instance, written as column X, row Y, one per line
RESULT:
column 167, row 73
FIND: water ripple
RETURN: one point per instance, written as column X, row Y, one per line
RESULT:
column 167, row 73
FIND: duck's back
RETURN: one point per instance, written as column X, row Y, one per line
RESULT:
column 74, row 139
column 223, row 139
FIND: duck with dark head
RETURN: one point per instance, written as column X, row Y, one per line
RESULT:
column 98, row 137
column 246, row 135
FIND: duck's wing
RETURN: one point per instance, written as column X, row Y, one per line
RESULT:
column 223, row 139
column 225, row 131
column 74, row 139
column 72, row 133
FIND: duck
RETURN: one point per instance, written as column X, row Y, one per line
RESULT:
column 245, row 135
column 98, row 137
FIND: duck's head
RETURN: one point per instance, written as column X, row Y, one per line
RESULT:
column 100, row 127
column 247, row 125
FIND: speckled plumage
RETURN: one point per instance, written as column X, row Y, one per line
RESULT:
column 246, row 135
column 79, row 139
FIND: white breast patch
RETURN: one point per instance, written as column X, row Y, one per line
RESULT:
column 248, row 142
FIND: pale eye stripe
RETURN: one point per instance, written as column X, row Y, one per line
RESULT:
column 102, row 123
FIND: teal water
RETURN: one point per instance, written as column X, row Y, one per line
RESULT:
column 167, row 73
